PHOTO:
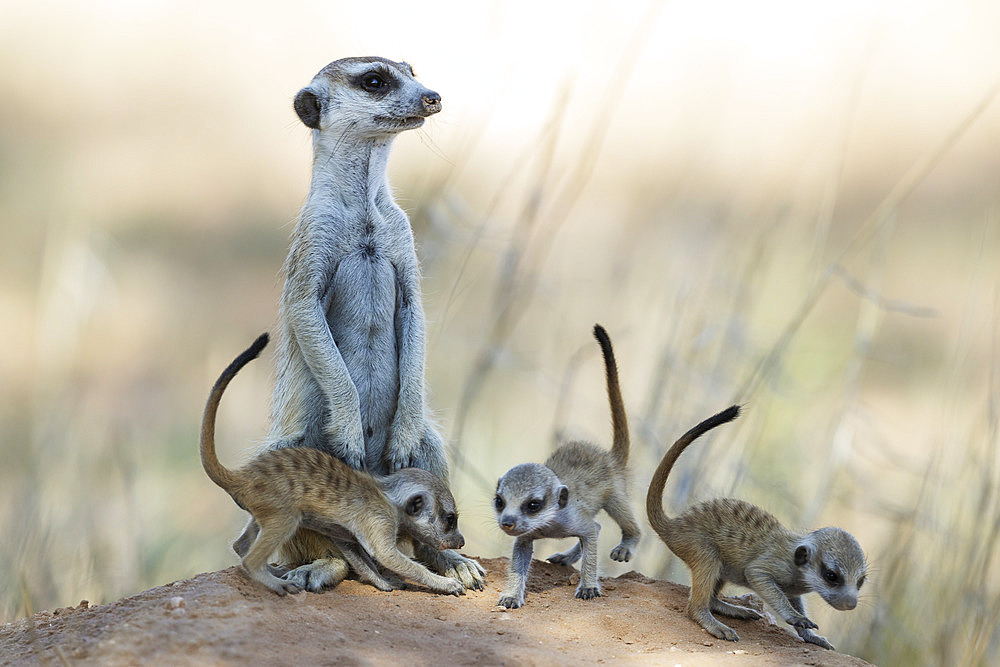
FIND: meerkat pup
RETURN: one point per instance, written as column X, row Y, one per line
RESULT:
column 731, row 540
column 561, row 498
column 303, row 487
column 350, row 353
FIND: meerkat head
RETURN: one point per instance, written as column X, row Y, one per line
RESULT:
column 426, row 508
column 832, row 564
column 367, row 97
column 529, row 496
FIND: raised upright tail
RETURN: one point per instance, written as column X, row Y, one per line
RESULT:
column 619, row 420
column 654, row 497
column 209, row 460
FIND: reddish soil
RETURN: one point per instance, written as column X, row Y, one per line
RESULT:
column 224, row 618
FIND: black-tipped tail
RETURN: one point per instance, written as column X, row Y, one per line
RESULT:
column 209, row 460
column 654, row 497
column 619, row 420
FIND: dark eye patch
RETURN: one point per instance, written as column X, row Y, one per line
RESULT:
column 832, row 577
column 532, row 506
column 376, row 81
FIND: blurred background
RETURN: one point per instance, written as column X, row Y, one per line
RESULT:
column 792, row 205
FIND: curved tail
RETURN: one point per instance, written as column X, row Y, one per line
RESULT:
column 619, row 420
column 209, row 460
column 654, row 497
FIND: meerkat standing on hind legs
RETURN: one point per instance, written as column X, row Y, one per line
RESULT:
column 731, row 540
column 350, row 355
column 293, row 487
column 562, row 497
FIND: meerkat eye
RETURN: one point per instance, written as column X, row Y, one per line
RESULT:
column 372, row 82
column 533, row 506
column 861, row 582
column 450, row 521
column 414, row 505
column 499, row 504
column 831, row 576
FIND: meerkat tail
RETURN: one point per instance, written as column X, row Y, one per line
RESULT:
column 209, row 460
column 619, row 420
column 654, row 497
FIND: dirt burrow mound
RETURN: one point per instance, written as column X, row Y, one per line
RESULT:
column 223, row 617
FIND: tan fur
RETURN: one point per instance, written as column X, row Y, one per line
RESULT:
column 728, row 540
column 303, row 487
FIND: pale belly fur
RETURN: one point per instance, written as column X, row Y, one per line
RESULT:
column 361, row 317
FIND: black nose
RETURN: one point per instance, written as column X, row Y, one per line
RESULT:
column 431, row 102
column 507, row 524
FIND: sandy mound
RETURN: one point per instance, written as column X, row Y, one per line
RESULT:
column 223, row 617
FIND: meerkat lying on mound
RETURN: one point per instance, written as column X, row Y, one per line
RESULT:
column 561, row 498
column 350, row 350
column 731, row 540
column 285, row 489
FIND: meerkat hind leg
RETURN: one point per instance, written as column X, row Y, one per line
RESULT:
column 243, row 543
column 724, row 608
column 704, row 579
column 246, row 539
column 320, row 574
column 567, row 557
column 733, row 611
column 362, row 568
column 273, row 533
column 619, row 509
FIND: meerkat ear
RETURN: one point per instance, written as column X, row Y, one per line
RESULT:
column 414, row 505
column 308, row 107
column 563, row 496
column 802, row 555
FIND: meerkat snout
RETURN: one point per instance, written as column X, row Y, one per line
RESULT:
column 432, row 102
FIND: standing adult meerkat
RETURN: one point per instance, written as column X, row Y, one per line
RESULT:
column 562, row 497
column 731, row 540
column 350, row 354
column 285, row 489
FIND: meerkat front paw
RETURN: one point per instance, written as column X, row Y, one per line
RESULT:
column 801, row 622
column 452, row 564
column 588, row 592
column 403, row 445
column 451, row 586
column 813, row 638
column 397, row 461
column 347, row 444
